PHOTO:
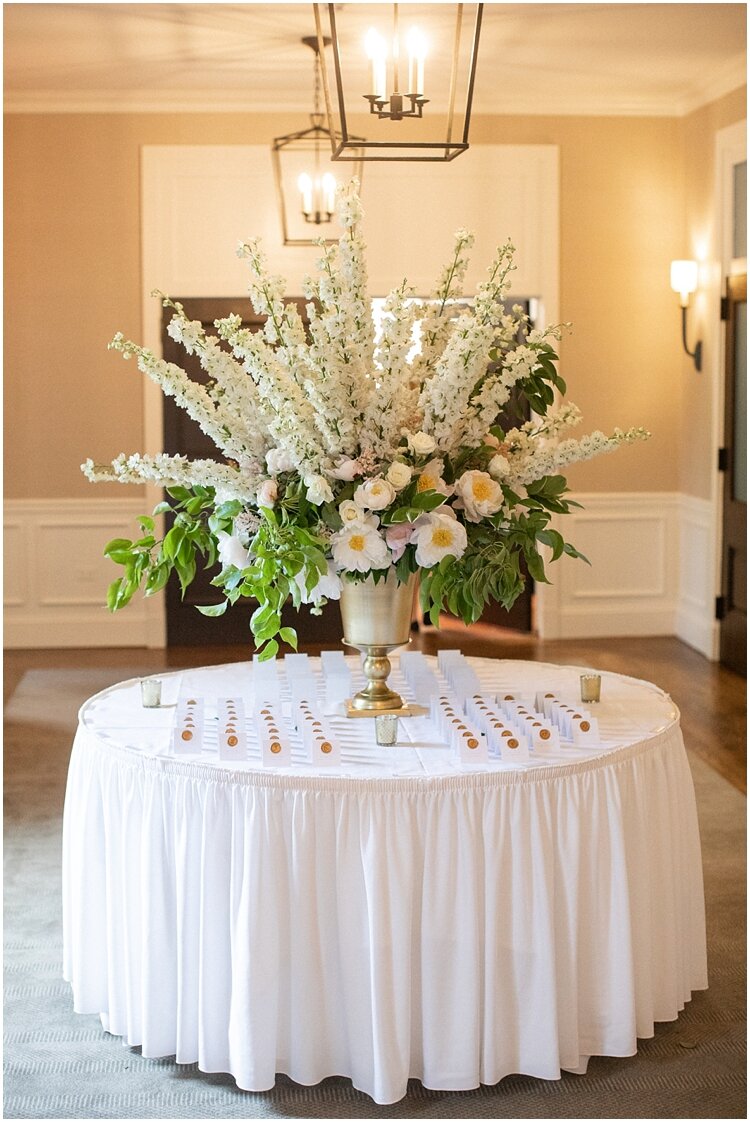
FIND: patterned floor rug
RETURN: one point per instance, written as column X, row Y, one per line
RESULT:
column 59, row 1065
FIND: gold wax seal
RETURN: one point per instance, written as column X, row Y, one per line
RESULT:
column 187, row 735
column 585, row 726
column 544, row 734
column 549, row 695
column 512, row 743
column 231, row 741
column 275, row 747
column 506, row 732
column 264, row 711
column 326, row 747
column 471, row 742
column 576, row 716
column 192, row 701
column 508, row 697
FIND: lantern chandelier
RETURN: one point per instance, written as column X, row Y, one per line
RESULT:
column 384, row 57
column 305, row 190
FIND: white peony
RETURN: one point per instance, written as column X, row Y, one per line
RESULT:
column 374, row 494
column 420, row 443
column 268, row 492
column 438, row 536
column 278, row 460
column 498, row 466
column 359, row 548
column 232, row 552
column 346, row 470
column 398, row 475
column 328, row 587
column 431, row 478
column 318, row 490
column 479, row 495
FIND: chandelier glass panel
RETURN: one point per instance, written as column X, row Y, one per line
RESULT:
column 401, row 73
column 306, row 179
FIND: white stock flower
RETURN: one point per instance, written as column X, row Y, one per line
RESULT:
column 318, row 490
column 232, row 552
column 346, row 470
column 420, row 443
column 327, row 588
column 498, row 466
column 268, row 492
column 438, row 536
column 398, row 475
column 278, row 460
column 359, row 548
column 479, row 495
column 374, row 494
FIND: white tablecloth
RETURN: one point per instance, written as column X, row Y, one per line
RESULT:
column 398, row 917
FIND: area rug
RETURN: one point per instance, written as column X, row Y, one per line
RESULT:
column 60, row 1065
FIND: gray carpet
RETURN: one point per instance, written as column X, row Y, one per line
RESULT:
column 59, row 1065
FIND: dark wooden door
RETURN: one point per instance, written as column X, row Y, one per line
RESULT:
column 733, row 612
column 185, row 625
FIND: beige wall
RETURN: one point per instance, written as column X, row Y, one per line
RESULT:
column 72, row 277
column 697, row 461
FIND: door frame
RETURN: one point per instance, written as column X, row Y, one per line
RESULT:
column 731, row 148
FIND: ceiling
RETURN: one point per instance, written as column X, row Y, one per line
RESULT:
column 663, row 59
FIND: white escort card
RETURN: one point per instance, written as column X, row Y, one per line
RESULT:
column 230, row 712
column 585, row 729
column 275, row 746
column 265, row 682
column 187, row 730
column 469, row 744
column 323, row 750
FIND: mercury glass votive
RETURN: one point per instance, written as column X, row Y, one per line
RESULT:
column 591, row 688
column 386, row 729
column 151, row 693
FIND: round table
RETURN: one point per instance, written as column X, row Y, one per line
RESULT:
column 398, row 916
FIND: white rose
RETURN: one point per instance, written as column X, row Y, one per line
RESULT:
column 398, row 475
column 479, row 495
column 374, row 494
column 350, row 512
column 420, row 443
column 498, row 466
column 232, row 552
column 318, row 490
column 268, row 492
column 346, row 470
column 278, row 460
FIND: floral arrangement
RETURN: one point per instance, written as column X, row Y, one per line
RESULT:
column 347, row 453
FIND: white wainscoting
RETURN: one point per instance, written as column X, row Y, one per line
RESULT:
column 695, row 621
column 56, row 576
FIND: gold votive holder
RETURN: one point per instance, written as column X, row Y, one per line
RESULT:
column 591, row 688
column 386, row 729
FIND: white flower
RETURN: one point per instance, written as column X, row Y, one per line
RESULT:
column 479, row 495
column 318, row 490
column 268, row 492
column 398, row 475
column 278, row 460
column 351, row 513
column 374, row 494
column 346, row 470
column 498, row 466
column 431, row 478
column 439, row 535
column 359, row 549
column 421, row 443
column 232, row 552
column 328, row 587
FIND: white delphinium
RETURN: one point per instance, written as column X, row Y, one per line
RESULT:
column 445, row 394
column 190, row 396
column 436, row 323
column 359, row 548
column 438, row 535
column 479, row 495
column 292, row 422
column 396, row 398
column 531, row 460
column 174, row 471
column 230, row 384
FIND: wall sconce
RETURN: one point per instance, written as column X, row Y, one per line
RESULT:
column 684, row 279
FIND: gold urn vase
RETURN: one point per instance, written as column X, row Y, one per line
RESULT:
column 377, row 619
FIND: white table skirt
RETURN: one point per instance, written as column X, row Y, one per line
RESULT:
column 398, row 919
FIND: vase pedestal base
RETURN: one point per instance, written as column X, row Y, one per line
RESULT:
column 405, row 710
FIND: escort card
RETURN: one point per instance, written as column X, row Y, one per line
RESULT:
column 187, row 730
column 230, row 712
column 333, row 662
column 585, row 729
column 472, row 747
column 275, row 746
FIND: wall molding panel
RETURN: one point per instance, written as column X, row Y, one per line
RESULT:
column 56, row 576
column 695, row 621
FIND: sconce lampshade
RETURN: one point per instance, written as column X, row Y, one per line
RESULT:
column 684, row 277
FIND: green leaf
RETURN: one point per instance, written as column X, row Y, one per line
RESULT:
column 213, row 609
column 270, row 650
column 172, row 542
column 157, row 579
column 162, row 508
column 288, row 635
column 117, row 545
column 113, row 594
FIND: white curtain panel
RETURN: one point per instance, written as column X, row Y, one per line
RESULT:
column 453, row 927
